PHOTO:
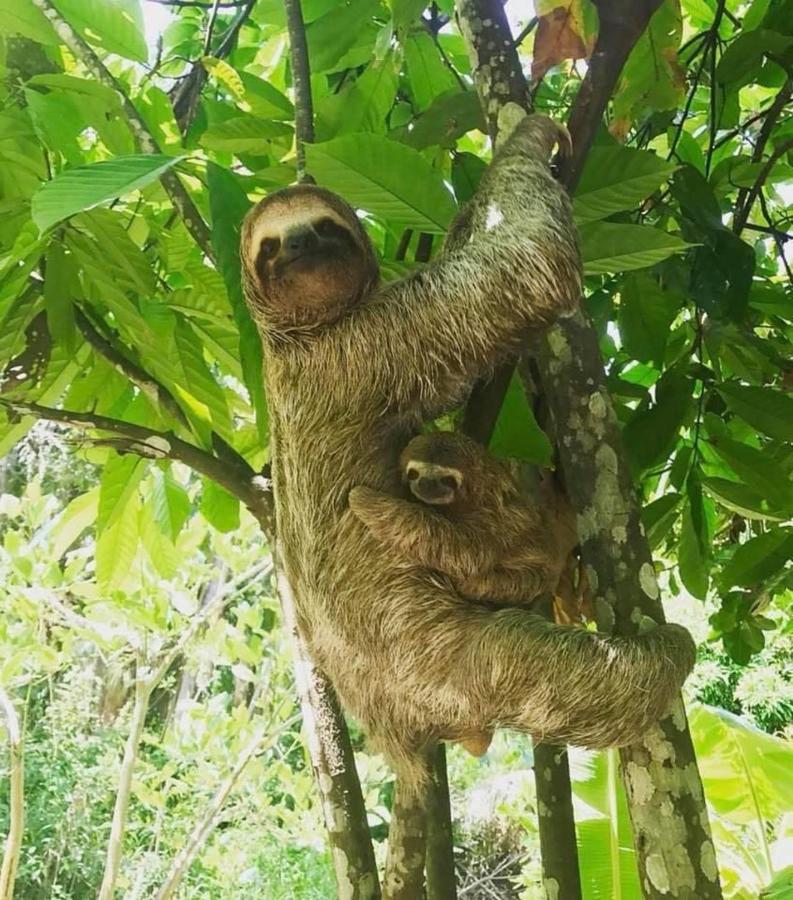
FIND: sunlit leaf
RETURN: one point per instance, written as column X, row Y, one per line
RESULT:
column 116, row 25
column 87, row 186
column 609, row 247
column 386, row 178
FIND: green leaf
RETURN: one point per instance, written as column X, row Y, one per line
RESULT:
column 247, row 134
column 446, row 121
column 608, row 247
column 759, row 558
column 757, row 469
column 228, row 204
column 82, row 188
column 115, row 25
column 117, row 543
column 120, row 479
column 659, row 517
column 742, row 58
column 57, row 299
column 171, row 503
column 764, row 408
column 78, row 515
column 645, row 317
column 467, row 171
column 331, row 36
column 747, row 775
column 615, row 179
column 739, row 498
column 363, row 105
column 429, row 76
column 220, row 508
column 386, row 178
column 651, row 433
column 406, row 12
column 516, row 433
column 691, row 560
column 22, row 17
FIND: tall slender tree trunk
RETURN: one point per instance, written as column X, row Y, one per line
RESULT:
column 16, row 811
column 674, row 849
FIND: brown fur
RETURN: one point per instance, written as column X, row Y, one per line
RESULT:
column 349, row 382
column 495, row 539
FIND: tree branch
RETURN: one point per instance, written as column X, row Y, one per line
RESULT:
column 239, row 479
column 600, row 488
column 186, row 94
column 143, row 138
column 301, row 83
column 742, row 214
column 156, row 392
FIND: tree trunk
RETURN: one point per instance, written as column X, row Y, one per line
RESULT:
column 334, row 768
column 560, row 874
column 115, row 843
column 441, row 877
column 16, row 810
column 674, row 849
column 404, row 868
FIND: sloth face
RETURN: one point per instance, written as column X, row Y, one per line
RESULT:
column 306, row 258
column 442, row 469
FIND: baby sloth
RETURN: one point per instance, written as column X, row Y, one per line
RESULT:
column 499, row 538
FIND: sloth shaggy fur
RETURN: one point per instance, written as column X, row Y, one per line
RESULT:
column 352, row 370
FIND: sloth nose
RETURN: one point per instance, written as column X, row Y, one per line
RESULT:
column 300, row 240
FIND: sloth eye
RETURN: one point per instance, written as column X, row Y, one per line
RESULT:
column 413, row 474
column 449, row 481
column 269, row 247
column 326, row 227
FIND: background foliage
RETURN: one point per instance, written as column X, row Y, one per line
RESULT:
column 109, row 307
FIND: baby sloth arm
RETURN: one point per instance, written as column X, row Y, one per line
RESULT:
column 423, row 536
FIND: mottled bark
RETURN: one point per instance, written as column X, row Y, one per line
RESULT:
column 499, row 80
column 675, row 853
column 404, row 868
column 441, row 878
column 560, row 874
column 334, row 768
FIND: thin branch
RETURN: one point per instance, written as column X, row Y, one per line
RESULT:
column 301, row 83
column 16, row 802
column 522, row 35
column 148, row 385
column 239, row 479
column 144, row 139
column 772, row 114
column 211, row 817
column 779, row 237
column 185, row 96
column 742, row 214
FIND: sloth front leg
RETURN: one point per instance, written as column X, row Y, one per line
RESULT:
column 421, row 535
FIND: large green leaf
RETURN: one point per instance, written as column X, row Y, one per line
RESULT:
column 247, row 134
column 332, row 36
column 609, row 247
column 87, row 186
column 759, row 558
column 516, row 433
column 228, row 205
column 615, row 179
column 740, row 498
column 386, row 178
column 646, row 313
column 659, row 516
column 764, row 408
column 120, row 479
column 652, row 432
column 757, row 469
column 22, row 17
column 429, row 76
column 747, row 775
column 116, row 25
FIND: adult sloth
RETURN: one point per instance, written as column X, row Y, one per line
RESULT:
column 352, row 368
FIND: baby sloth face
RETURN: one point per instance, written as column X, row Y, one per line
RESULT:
column 442, row 469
